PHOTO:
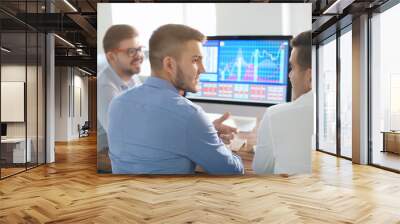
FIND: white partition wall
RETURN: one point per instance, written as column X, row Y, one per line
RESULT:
column 12, row 100
column 71, row 102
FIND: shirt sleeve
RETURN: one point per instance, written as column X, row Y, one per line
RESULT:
column 206, row 149
column 105, row 95
column 264, row 159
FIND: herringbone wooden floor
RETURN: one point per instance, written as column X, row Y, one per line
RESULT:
column 70, row 191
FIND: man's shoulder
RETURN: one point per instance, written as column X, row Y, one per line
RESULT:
column 290, row 107
column 104, row 78
column 103, row 74
column 191, row 109
column 130, row 94
column 190, row 106
column 279, row 108
column 183, row 106
column 144, row 94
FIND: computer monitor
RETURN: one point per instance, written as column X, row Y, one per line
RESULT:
column 3, row 129
column 245, row 70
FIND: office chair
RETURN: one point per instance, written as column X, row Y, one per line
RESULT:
column 84, row 130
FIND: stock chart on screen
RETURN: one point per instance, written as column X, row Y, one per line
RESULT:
column 245, row 70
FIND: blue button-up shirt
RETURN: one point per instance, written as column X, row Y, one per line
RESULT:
column 154, row 130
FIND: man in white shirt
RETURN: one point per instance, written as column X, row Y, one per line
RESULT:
column 285, row 132
column 124, row 55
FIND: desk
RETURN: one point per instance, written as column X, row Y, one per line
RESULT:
column 246, row 152
column 250, row 126
column 13, row 150
column 391, row 141
column 247, row 128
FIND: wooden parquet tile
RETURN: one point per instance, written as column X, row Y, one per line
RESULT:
column 70, row 191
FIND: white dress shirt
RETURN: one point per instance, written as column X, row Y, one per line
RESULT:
column 109, row 85
column 284, row 140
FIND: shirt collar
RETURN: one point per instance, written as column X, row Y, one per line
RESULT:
column 121, row 83
column 160, row 83
column 306, row 96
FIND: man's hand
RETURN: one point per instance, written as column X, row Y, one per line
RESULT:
column 225, row 132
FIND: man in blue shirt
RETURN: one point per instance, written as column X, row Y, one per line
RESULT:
column 154, row 130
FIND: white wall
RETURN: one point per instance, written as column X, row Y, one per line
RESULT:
column 212, row 19
column 298, row 16
column 265, row 19
column 104, row 18
column 249, row 19
column 33, row 126
column 16, row 73
column 81, row 83
column 12, row 73
column 67, row 114
column 61, row 103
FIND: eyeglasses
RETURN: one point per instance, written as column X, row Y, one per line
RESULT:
column 131, row 52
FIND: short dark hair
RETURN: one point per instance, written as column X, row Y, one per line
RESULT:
column 117, row 33
column 169, row 40
column 302, row 43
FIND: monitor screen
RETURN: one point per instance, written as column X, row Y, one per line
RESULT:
column 245, row 70
column 3, row 129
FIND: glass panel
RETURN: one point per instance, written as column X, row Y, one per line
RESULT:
column 23, row 89
column 346, row 94
column 41, row 99
column 327, row 97
column 314, row 87
column 385, row 89
column 13, row 87
column 31, row 98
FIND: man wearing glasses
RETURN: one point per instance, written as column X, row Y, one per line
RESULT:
column 124, row 56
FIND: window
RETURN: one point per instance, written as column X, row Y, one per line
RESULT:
column 346, row 94
column 327, row 96
column 22, row 78
column 385, row 89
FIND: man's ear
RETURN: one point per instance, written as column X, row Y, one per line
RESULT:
column 309, row 73
column 110, row 56
column 309, row 77
column 169, row 65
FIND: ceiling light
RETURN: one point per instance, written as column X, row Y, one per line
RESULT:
column 70, row 5
column 84, row 71
column 65, row 41
column 5, row 49
column 79, row 51
column 338, row 6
